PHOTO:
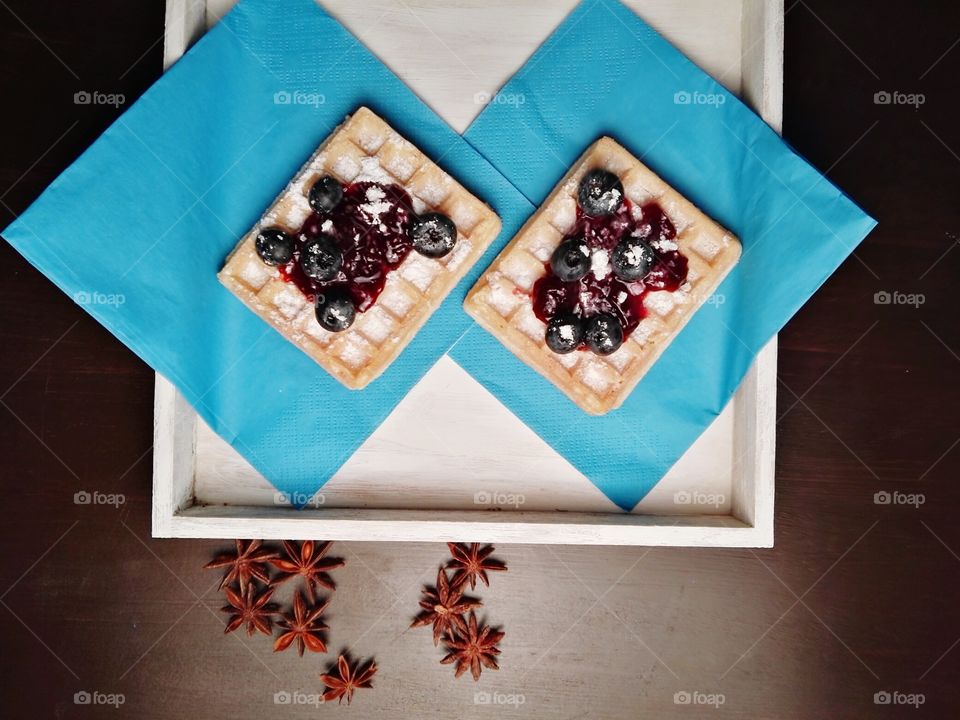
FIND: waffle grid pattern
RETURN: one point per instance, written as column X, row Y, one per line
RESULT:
column 364, row 147
column 501, row 300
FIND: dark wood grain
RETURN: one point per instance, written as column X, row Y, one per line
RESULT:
column 856, row 598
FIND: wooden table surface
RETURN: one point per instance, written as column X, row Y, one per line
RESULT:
column 859, row 597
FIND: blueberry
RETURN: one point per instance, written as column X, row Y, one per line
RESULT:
column 326, row 194
column 335, row 310
column 320, row 258
column 564, row 333
column 601, row 193
column 604, row 334
column 571, row 260
column 433, row 235
column 274, row 246
column 632, row 259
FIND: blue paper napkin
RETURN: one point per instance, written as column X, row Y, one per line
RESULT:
column 138, row 227
column 606, row 72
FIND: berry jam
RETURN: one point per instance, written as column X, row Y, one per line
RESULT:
column 371, row 227
column 592, row 295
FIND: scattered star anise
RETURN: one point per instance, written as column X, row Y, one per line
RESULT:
column 303, row 625
column 472, row 562
column 349, row 680
column 248, row 609
column 475, row 649
column 444, row 607
column 307, row 562
column 249, row 561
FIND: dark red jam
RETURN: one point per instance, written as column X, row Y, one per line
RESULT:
column 591, row 295
column 371, row 227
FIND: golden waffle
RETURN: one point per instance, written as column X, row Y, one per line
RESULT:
column 364, row 147
column 501, row 300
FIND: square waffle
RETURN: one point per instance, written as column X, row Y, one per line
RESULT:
column 501, row 301
column 364, row 148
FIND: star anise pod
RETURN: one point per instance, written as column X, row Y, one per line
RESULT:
column 475, row 649
column 473, row 562
column 303, row 625
column 444, row 607
column 349, row 680
column 249, row 561
column 307, row 562
column 248, row 609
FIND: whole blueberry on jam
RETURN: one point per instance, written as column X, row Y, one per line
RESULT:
column 604, row 334
column 433, row 234
column 274, row 246
column 326, row 194
column 571, row 260
column 320, row 258
column 632, row 259
column 335, row 310
column 601, row 193
column 564, row 333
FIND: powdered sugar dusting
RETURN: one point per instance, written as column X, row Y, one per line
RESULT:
column 354, row 351
column 501, row 296
column 370, row 170
column 395, row 299
column 595, row 374
column 464, row 215
column 419, row 206
column 706, row 246
column 681, row 221
column 461, row 252
column 659, row 302
column 530, row 325
column 569, row 360
column 563, row 214
column 436, row 190
column 289, row 301
column 620, row 359
column 376, row 325
column 643, row 332
column 420, row 271
column 370, row 139
column 296, row 210
column 665, row 245
column 600, row 264
column 308, row 322
column 255, row 273
column 347, row 167
column 376, row 205
column 541, row 240
column 522, row 269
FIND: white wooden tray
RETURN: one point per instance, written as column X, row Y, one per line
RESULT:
column 416, row 479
